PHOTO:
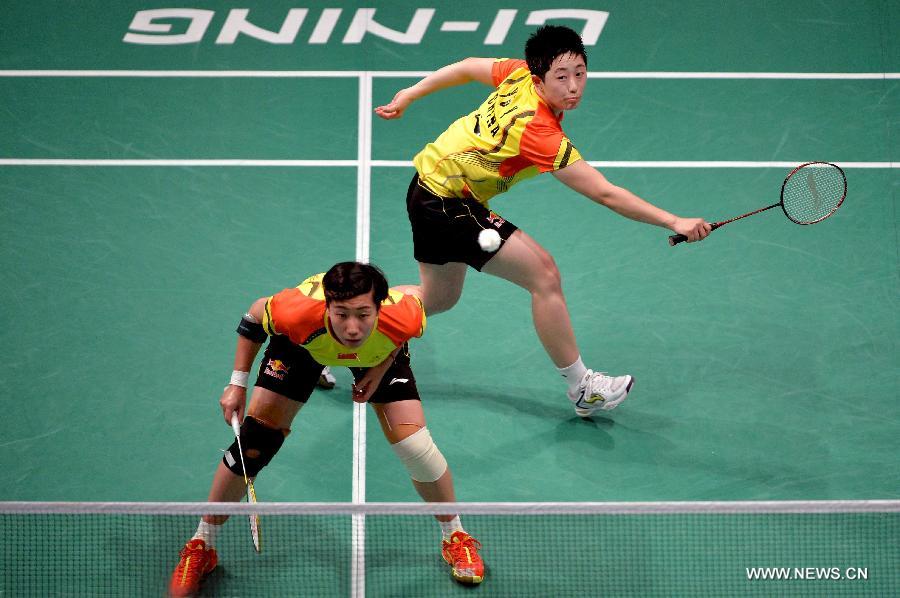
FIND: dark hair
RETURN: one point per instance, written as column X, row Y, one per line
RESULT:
column 351, row 279
column 548, row 43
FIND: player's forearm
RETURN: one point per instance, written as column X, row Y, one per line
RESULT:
column 624, row 202
column 581, row 177
column 245, row 353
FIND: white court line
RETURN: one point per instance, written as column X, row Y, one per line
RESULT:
column 679, row 164
column 369, row 164
column 400, row 74
column 179, row 74
column 170, row 162
column 745, row 75
column 363, row 212
column 731, row 164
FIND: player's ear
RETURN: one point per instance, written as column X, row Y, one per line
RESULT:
column 538, row 82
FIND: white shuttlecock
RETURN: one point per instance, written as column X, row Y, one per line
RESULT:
column 489, row 240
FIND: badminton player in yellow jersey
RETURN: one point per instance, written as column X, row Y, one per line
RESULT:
column 347, row 316
column 513, row 135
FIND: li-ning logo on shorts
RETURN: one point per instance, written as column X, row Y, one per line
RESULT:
column 277, row 369
column 495, row 219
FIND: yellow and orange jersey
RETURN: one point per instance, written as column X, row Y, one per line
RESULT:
column 299, row 313
column 512, row 136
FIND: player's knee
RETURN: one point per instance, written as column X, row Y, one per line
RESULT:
column 260, row 443
column 547, row 278
column 421, row 456
column 435, row 303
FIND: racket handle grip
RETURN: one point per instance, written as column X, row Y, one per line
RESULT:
column 235, row 423
column 676, row 239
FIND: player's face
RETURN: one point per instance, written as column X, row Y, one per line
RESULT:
column 564, row 83
column 352, row 320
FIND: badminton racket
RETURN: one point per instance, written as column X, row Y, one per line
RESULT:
column 251, row 492
column 810, row 193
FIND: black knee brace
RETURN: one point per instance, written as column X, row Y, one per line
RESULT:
column 260, row 443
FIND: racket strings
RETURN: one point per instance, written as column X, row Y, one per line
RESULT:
column 813, row 193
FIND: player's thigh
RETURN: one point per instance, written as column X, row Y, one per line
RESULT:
column 442, row 283
column 273, row 409
column 400, row 419
column 524, row 262
column 286, row 379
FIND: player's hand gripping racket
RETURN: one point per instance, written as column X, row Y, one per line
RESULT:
column 251, row 493
column 810, row 193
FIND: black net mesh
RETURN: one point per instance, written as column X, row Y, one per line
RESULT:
column 663, row 554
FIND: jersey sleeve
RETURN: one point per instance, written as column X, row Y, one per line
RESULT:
column 293, row 314
column 504, row 67
column 547, row 148
column 401, row 318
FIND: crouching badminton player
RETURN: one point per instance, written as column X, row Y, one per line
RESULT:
column 347, row 316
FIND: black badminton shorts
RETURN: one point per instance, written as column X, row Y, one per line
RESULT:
column 290, row 370
column 446, row 229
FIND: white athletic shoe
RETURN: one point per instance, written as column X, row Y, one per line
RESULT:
column 596, row 392
column 327, row 379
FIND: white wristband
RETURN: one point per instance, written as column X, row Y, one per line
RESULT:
column 239, row 378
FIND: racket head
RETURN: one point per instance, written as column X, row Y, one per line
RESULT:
column 254, row 518
column 813, row 191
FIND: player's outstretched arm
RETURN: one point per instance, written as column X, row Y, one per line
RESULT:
column 581, row 177
column 458, row 73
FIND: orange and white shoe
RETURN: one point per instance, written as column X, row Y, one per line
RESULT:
column 461, row 553
column 197, row 561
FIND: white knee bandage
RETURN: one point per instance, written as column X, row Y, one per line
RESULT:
column 421, row 457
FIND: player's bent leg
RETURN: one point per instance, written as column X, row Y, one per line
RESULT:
column 274, row 409
column 268, row 421
column 441, row 286
column 403, row 423
column 525, row 263
column 263, row 431
column 260, row 443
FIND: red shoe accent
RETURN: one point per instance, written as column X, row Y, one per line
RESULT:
column 461, row 553
column 197, row 561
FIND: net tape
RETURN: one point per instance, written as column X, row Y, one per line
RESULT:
column 470, row 508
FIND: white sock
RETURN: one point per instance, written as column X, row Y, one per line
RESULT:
column 207, row 532
column 448, row 527
column 574, row 373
